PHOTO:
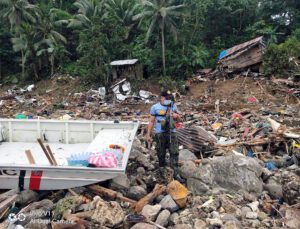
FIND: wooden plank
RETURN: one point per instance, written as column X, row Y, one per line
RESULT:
column 45, row 151
column 29, row 157
column 8, row 201
column 51, row 155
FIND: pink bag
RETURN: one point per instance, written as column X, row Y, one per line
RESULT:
column 107, row 160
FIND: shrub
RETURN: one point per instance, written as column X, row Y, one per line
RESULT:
column 281, row 59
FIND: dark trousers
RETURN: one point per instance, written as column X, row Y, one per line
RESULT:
column 162, row 144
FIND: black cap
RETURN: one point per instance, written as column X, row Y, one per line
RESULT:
column 167, row 95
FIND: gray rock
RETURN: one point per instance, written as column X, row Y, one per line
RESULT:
column 140, row 171
column 168, row 203
column 188, row 169
column 151, row 212
column 228, row 217
column 215, row 215
column 249, row 197
column 262, row 216
column 136, row 192
column 200, row 224
column 144, row 161
column 253, row 223
column 163, row 218
column 143, row 226
column 231, row 173
column 120, row 183
column 183, row 226
column 174, row 218
column 27, row 196
column 274, row 188
column 186, row 155
column 245, row 210
column 251, row 215
column 253, row 206
column 214, row 222
column 134, row 153
column 232, row 225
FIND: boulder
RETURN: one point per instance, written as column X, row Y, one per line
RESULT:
column 120, row 183
column 163, row 218
column 151, row 212
column 186, row 155
column 136, row 192
column 227, row 173
column 168, row 203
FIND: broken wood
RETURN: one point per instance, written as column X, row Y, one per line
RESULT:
column 158, row 190
column 99, row 190
column 51, row 154
column 8, row 201
column 45, row 151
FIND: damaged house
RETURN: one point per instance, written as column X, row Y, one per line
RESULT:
column 131, row 69
column 243, row 56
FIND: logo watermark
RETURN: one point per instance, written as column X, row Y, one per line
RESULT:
column 37, row 217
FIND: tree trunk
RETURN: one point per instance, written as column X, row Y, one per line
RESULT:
column 163, row 48
column 35, row 71
column 52, row 65
column 0, row 70
column 23, row 64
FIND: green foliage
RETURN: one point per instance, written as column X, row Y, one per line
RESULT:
column 76, row 69
column 39, row 38
column 168, row 83
column 280, row 59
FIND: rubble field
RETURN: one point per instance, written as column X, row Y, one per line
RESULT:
column 239, row 156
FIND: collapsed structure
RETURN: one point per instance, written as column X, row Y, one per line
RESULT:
column 243, row 56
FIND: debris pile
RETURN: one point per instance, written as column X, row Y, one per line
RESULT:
column 239, row 155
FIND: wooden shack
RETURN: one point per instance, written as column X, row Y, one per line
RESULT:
column 243, row 56
column 130, row 69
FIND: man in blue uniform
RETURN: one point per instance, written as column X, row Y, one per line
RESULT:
column 164, row 114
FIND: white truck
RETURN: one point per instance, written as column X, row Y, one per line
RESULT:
column 64, row 138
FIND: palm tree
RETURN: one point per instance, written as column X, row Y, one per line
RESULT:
column 87, row 9
column 20, row 44
column 163, row 14
column 17, row 11
column 124, row 11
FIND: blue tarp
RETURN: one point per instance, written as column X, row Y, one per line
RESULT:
column 222, row 54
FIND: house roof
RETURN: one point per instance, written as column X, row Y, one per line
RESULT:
column 123, row 62
column 239, row 47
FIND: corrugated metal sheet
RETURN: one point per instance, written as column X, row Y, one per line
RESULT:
column 123, row 62
column 239, row 47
